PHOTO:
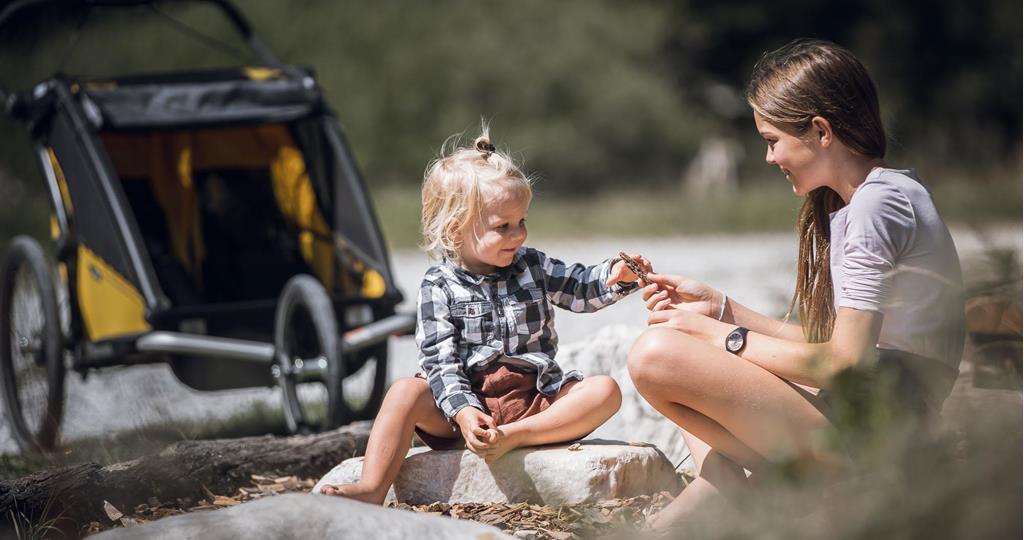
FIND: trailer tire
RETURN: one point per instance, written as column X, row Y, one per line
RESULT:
column 307, row 351
column 31, row 345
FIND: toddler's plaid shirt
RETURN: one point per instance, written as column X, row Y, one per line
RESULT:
column 466, row 320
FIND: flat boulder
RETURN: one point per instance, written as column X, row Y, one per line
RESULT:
column 300, row 516
column 587, row 471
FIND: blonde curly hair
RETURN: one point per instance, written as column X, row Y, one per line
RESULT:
column 459, row 184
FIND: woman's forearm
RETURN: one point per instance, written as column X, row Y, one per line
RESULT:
column 799, row 362
column 815, row 364
column 740, row 315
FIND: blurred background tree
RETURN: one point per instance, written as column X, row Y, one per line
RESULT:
column 599, row 98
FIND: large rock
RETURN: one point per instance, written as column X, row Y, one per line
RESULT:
column 605, row 353
column 297, row 516
column 553, row 475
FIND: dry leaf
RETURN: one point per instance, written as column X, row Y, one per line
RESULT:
column 128, row 522
column 641, row 444
column 113, row 513
column 574, row 447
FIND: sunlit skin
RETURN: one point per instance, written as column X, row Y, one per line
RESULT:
column 487, row 244
column 492, row 241
column 736, row 410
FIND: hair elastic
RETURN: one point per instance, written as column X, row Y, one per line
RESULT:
column 485, row 148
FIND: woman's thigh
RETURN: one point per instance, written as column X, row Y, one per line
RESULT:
column 767, row 413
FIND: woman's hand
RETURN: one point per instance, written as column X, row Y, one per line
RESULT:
column 667, row 291
column 476, row 427
column 692, row 323
column 621, row 272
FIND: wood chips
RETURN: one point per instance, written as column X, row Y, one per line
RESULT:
column 527, row 521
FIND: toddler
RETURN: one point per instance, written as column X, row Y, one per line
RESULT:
column 485, row 329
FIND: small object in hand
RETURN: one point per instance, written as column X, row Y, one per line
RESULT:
column 575, row 447
column 634, row 266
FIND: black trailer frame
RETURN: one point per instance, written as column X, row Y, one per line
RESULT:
column 300, row 338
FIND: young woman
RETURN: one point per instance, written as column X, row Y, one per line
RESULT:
column 878, row 284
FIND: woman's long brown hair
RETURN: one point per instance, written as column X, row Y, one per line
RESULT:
column 789, row 87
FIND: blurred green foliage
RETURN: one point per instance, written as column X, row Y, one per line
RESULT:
column 593, row 96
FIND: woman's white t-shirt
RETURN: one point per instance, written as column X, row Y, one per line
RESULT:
column 891, row 253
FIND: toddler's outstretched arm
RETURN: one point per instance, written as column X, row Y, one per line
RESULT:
column 581, row 288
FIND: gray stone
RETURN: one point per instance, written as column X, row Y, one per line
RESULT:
column 605, row 354
column 301, row 516
column 546, row 475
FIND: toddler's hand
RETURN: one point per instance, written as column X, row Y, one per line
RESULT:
column 621, row 271
column 476, row 427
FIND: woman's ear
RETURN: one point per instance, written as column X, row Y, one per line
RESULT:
column 822, row 131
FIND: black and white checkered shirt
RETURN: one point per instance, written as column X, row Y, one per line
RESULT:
column 467, row 321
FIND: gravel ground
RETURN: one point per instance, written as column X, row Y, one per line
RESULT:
column 756, row 269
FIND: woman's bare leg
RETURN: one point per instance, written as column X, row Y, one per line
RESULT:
column 740, row 410
column 717, row 477
column 578, row 408
column 408, row 404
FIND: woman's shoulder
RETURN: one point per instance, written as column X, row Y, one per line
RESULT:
column 888, row 189
column 882, row 183
column 886, row 200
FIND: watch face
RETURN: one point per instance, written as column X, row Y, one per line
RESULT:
column 734, row 342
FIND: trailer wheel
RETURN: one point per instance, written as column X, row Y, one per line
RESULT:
column 31, row 348
column 307, row 361
column 368, row 384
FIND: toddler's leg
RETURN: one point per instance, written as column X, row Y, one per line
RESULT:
column 408, row 404
column 577, row 410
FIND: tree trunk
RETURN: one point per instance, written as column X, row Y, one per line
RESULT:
column 182, row 470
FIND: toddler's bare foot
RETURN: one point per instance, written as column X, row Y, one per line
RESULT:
column 353, row 491
column 499, row 444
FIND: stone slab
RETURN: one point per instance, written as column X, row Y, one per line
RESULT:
column 552, row 475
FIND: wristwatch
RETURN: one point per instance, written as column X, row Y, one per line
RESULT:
column 736, row 340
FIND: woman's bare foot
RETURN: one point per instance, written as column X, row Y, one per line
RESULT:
column 356, row 491
column 676, row 512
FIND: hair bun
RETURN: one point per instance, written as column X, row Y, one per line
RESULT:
column 484, row 146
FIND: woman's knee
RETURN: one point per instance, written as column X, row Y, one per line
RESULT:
column 647, row 356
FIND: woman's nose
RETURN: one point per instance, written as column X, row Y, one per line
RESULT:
column 769, row 156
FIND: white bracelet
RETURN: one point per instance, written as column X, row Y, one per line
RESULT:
column 721, row 313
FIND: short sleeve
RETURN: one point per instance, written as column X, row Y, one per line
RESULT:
column 880, row 226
